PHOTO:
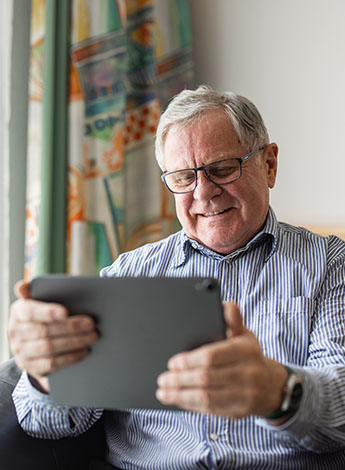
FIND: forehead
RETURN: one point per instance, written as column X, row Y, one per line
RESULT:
column 209, row 138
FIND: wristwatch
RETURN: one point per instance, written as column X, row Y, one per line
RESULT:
column 293, row 392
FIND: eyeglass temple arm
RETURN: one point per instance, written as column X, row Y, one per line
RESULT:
column 251, row 154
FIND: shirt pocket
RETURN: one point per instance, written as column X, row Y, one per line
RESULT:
column 283, row 328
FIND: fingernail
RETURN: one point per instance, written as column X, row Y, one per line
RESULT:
column 86, row 323
column 162, row 380
column 171, row 363
column 161, row 395
column 175, row 363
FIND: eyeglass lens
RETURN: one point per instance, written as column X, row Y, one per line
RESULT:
column 222, row 172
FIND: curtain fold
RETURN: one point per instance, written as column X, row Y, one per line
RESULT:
column 52, row 222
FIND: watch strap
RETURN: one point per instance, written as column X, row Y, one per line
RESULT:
column 285, row 409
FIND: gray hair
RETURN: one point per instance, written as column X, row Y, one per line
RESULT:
column 189, row 105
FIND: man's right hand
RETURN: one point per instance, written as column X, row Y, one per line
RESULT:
column 43, row 338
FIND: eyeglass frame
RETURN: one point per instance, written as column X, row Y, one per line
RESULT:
column 241, row 160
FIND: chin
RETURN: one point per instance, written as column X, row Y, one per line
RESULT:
column 217, row 245
column 223, row 241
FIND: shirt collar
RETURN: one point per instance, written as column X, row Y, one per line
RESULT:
column 268, row 234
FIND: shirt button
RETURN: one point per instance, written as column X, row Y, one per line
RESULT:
column 213, row 436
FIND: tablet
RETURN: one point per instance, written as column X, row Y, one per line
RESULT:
column 142, row 323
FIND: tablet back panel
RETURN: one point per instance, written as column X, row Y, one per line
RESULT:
column 142, row 323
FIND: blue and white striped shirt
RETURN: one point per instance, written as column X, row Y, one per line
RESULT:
column 290, row 286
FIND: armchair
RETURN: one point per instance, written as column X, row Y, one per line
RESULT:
column 18, row 450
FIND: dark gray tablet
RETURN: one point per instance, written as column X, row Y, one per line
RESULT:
column 142, row 323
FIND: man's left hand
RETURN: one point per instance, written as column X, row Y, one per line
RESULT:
column 228, row 378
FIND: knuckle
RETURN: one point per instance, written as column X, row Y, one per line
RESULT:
column 47, row 346
column 15, row 348
column 205, row 398
column 88, row 339
column 81, row 341
column 47, row 312
column 73, row 323
column 204, row 377
column 176, row 379
column 49, row 363
column 42, row 330
column 18, row 345
column 19, row 310
column 209, row 357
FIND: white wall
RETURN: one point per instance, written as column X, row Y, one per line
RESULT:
column 288, row 57
column 6, row 11
column 14, row 62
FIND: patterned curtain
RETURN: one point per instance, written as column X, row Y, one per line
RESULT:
column 127, row 59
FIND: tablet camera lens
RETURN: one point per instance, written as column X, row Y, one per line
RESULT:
column 205, row 284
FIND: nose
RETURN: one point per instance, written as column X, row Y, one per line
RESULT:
column 205, row 190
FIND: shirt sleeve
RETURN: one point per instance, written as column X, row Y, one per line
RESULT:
column 41, row 417
column 319, row 423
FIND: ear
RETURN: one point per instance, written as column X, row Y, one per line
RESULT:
column 270, row 160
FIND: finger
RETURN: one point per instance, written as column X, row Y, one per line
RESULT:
column 237, row 350
column 77, row 324
column 50, row 347
column 22, row 289
column 216, row 402
column 27, row 310
column 233, row 319
column 197, row 378
column 210, row 401
column 42, row 366
column 210, row 355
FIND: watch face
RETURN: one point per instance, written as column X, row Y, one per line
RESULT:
column 296, row 396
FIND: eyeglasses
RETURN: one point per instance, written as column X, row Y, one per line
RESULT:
column 221, row 172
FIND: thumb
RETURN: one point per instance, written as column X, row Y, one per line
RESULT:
column 22, row 290
column 233, row 319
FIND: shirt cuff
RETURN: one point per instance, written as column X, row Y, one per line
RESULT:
column 40, row 416
column 25, row 393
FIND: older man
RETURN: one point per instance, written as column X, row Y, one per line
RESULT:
column 270, row 396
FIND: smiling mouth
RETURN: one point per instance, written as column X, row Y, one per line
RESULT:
column 210, row 214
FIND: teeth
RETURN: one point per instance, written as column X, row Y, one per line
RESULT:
column 213, row 213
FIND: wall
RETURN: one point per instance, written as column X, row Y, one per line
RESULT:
column 14, row 62
column 288, row 57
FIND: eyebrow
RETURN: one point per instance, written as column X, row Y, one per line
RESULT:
column 225, row 157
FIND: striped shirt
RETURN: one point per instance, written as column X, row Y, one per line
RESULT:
column 290, row 286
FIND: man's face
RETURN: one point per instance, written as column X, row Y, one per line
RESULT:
column 222, row 218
